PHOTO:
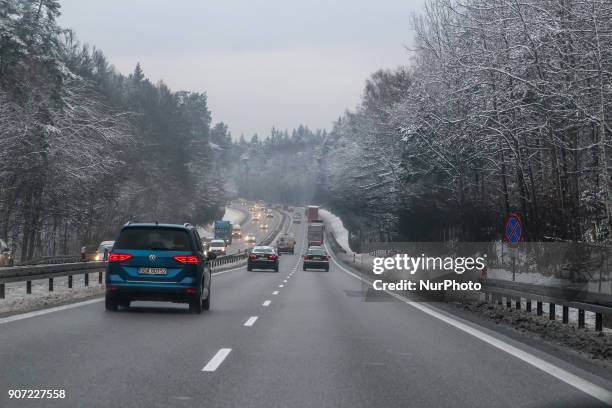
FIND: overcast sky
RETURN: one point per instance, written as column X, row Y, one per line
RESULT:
column 263, row 63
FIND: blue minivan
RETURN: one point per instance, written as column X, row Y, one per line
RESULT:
column 159, row 262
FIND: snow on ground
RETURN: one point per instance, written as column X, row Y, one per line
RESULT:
column 587, row 342
column 18, row 301
column 334, row 223
column 539, row 279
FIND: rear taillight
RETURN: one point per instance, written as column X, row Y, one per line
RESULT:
column 187, row 259
column 305, row 257
column 272, row 257
column 326, row 258
column 115, row 257
column 252, row 256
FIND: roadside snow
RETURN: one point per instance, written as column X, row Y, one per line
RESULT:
column 18, row 301
column 336, row 226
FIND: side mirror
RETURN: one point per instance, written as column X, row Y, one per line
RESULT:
column 211, row 255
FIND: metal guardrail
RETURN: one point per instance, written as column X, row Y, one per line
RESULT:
column 497, row 290
column 36, row 272
column 227, row 259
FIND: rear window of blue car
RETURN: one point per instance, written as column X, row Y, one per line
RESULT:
column 154, row 239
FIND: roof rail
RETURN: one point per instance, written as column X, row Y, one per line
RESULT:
column 127, row 223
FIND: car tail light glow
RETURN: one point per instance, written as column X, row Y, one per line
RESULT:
column 186, row 259
column 272, row 257
column 252, row 256
column 115, row 257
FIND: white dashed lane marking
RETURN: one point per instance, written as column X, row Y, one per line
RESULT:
column 266, row 303
column 217, row 359
column 251, row 321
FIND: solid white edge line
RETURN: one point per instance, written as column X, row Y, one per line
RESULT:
column 266, row 303
column 217, row 359
column 41, row 312
column 579, row 383
column 251, row 321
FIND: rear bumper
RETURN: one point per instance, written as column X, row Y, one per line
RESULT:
column 316, row 264
column 263, row 264
column 285, row 249
column 170, row 292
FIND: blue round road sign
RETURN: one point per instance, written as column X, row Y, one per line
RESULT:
column 513, row 229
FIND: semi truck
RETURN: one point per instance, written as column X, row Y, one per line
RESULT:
column 223, row 230
column 315, row 232
column 312, row 213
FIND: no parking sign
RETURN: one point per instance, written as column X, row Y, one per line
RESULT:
column 513, row 230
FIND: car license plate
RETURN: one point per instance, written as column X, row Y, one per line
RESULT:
column 152, row 271
column 316, row 258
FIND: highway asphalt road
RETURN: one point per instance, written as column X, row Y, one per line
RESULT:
column 286, row 339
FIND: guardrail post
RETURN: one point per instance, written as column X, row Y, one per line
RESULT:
column 598, row 321
column 100, row 277
column 499, row 299
column 508, row 302
column 580, row 319
column 50, row 284
column 69, row 281
column 551, row 311
column 539, row 308
column 528, row 305
column 565, row 314
column 86, row 279
column 1, row 290
column 29, row 287
column 518, row 303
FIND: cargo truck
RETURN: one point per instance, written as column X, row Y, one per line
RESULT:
column 223, row 230
column 315, row 232
column 312, row 213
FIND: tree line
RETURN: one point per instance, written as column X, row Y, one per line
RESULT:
column 505, row 107
column 83, row 148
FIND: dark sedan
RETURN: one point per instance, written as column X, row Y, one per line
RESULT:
column 316, row 258
column 262, row 257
